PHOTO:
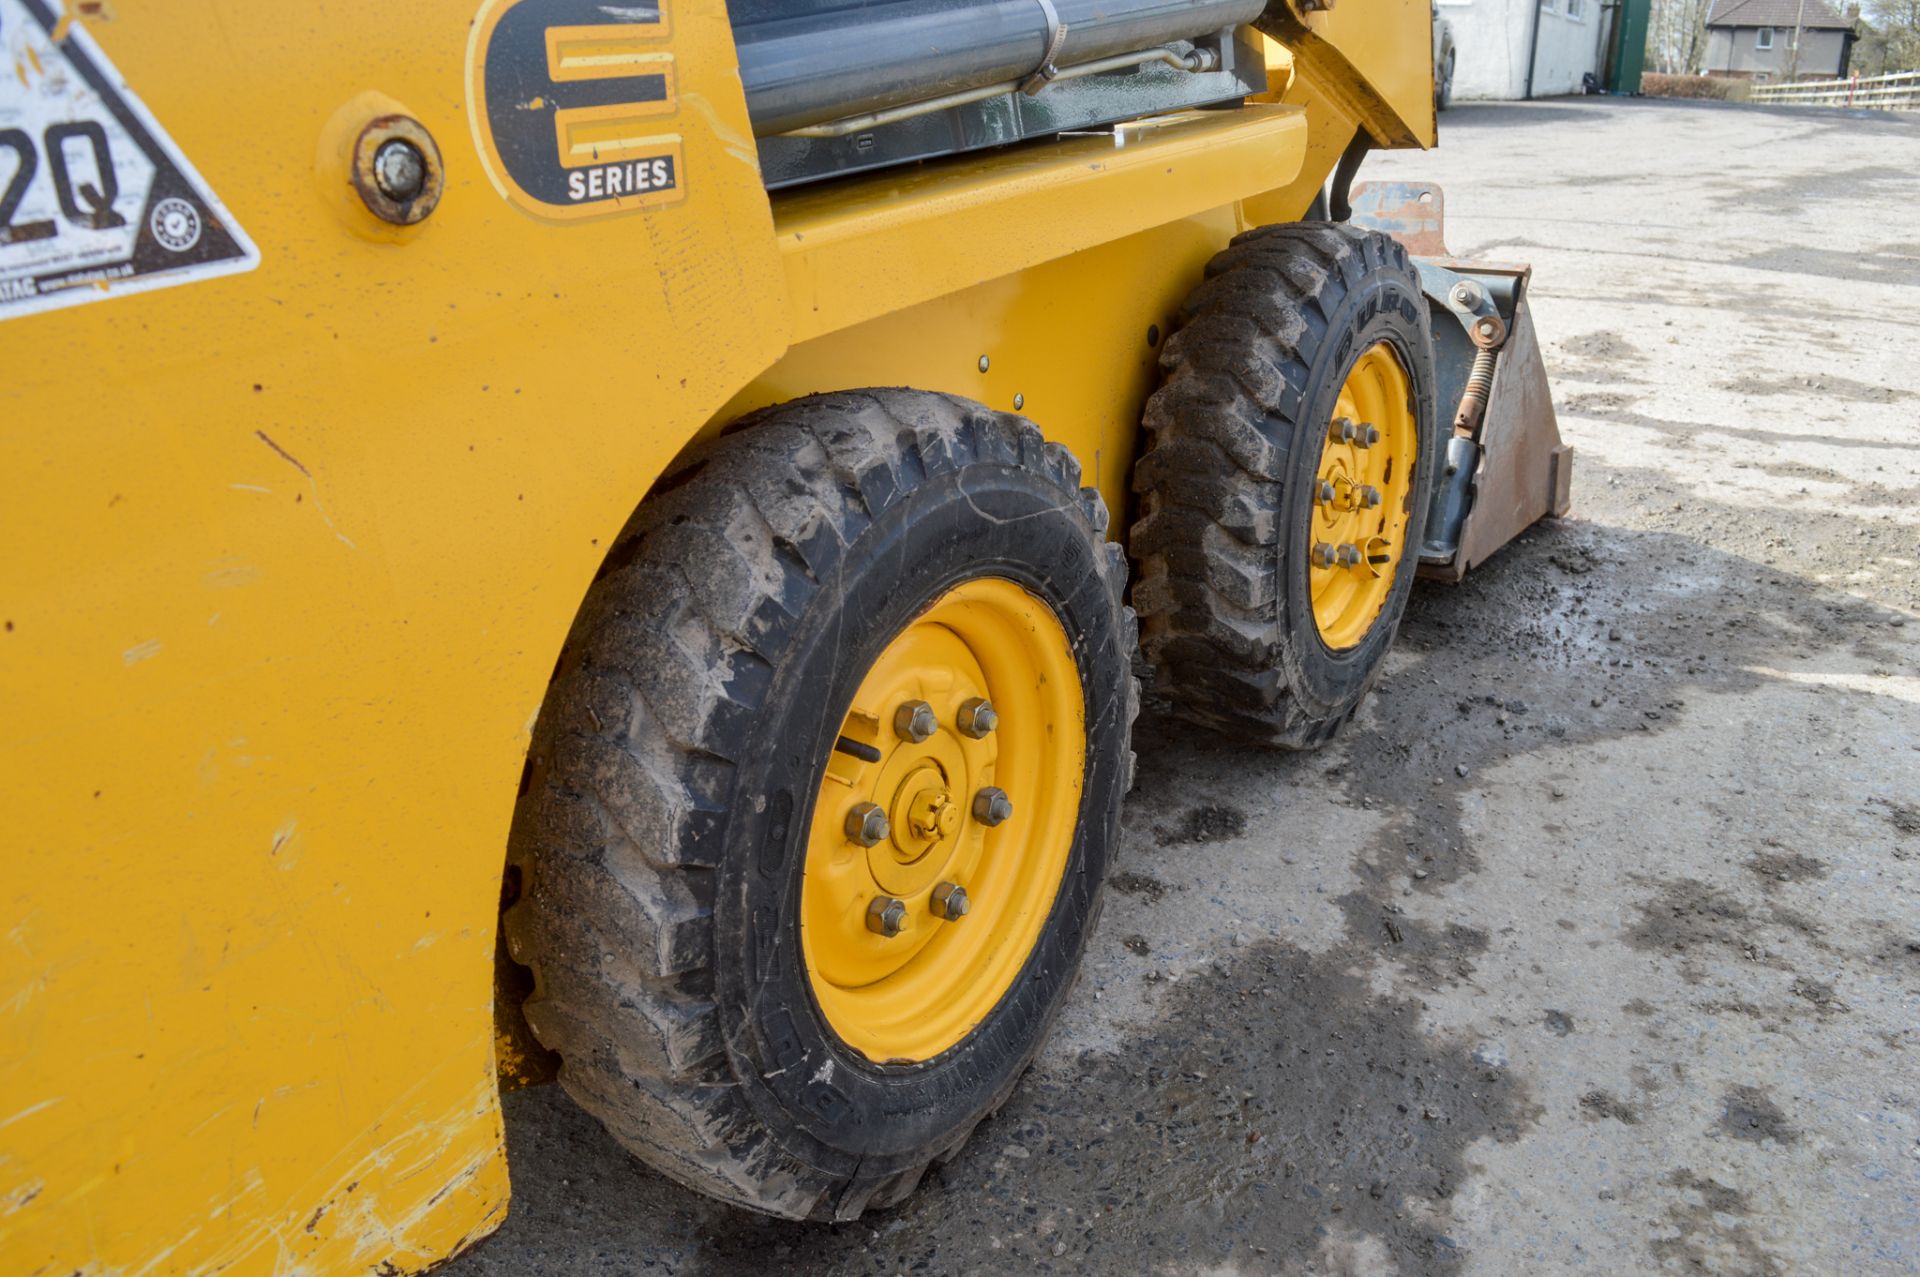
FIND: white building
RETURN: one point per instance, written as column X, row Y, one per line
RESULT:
column 1492, row 40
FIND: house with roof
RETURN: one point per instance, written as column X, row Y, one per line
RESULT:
column 1754, row 40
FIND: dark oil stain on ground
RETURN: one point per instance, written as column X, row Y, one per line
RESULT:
column 1708, row 1219
column 1750, row 1114
column 1277, row 1103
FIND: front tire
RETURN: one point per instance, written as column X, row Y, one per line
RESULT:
column 694, row 896
column 1275, row 558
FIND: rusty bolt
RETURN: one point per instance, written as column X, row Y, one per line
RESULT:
column 976, row 717
column 950, row 901
column 992, row 806
column 400, row 170
column 1365, row 436
column 1348, row 554
column 1341, row 431
column 1369, row 496
column 1467, row 295
column 867, row 824
column 915, row 721
column 1323, row 554
column 1327, row 492
column 886, row 915
column 397, row 169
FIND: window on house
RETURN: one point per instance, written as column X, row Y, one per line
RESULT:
column 1764, row 38
column 1549, row 6
column 1576, row 8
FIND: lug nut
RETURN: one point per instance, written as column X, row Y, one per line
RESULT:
column 976, row 717
column 1326, row 493
column 992, row 806
column 1369, row 497
column 1365, row 436
column 1323, row 555
column 950, row 901
column 1342, row 430
column 886, row 915
column 867, row 824
column 915, row 721
column 1348, row 554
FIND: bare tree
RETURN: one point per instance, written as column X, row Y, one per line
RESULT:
column 1896, row 25
column 1677, row 35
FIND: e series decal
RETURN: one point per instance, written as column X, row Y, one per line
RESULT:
column 640, row 177
column 575, row 103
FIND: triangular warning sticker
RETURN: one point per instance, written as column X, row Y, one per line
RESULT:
column 95, row 199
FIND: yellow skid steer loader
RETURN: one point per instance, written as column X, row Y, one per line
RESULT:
column 554, row 536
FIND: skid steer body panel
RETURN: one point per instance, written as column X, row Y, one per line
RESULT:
column 293, row 541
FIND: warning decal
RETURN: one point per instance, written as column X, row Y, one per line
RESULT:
column 95, row 199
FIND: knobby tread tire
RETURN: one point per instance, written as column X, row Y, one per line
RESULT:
column 1220, row 479
column 621, row 828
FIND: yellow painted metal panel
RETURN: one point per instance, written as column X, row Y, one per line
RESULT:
column 862, row 249
column 1372, row 58
column 1066, row 340
column 288, row 558
column 290, row 555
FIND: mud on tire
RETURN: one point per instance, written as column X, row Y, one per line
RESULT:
column 663, row 824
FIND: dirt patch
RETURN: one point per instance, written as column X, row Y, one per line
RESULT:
column 1604, row 347
column 1279, row 1102
column 1776, row 867
column 1596, row 403
column 1688, row 914
column 1206, row 823
column 1751, row 1115
column 1558, row 1023
column 1136, row 884
column 1709, row 1220
column 1902, row 816
column 1597, row 1105
column 1825, row 384
column 1820, row 994
column 1433, row 956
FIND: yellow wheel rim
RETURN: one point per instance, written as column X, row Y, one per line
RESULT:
column 907, row 997
column 1362, row 501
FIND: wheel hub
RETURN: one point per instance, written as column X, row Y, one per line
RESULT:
column 1363, row 498
column 915, row 983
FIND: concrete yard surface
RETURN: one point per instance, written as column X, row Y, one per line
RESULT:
column 1594, row 947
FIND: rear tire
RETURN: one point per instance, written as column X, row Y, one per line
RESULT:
column 664, row 828
column 1237, row 444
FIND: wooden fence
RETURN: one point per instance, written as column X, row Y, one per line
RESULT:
column 1897, row 92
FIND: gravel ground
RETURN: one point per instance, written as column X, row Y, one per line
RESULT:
column 1595, row 947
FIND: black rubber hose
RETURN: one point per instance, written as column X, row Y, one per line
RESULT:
column 1343, row 173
